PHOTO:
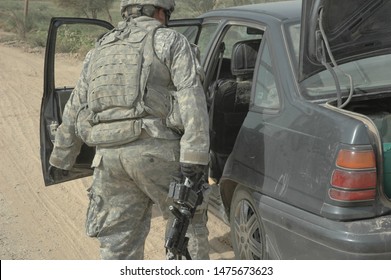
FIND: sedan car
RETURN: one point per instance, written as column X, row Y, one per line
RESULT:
column 299, row 102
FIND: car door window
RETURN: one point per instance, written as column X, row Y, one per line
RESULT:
column 190, row 32
column 266, row 93
column 73, row 43
column 238, row 33
column 202, row 38
column 220, row 65
column 206, row 37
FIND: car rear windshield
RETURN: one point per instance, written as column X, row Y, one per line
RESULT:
column 369, row 74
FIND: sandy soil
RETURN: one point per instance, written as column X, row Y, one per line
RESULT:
column 44, row 223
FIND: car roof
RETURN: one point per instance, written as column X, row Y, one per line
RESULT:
column 283, row 10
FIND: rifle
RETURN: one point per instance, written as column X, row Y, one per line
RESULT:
column 186, row 197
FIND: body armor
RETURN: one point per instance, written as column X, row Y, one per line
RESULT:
column 127, row 82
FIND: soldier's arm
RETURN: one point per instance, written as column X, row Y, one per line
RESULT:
column 192, row 103
column 67, row 144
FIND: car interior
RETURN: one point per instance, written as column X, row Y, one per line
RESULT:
column 230, row 101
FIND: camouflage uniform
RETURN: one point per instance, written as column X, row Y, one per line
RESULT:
column 129, row 177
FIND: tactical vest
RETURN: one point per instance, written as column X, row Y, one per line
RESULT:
column 127, row 82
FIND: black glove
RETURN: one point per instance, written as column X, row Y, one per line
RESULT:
column 190, row 170
column 57, row 174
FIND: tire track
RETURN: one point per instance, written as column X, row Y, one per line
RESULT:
column 48, row 223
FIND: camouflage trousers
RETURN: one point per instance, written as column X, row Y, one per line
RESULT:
column 127, row 181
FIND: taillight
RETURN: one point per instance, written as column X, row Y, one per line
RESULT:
column 355, row 177
column 356, row 159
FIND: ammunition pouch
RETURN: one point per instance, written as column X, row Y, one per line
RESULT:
column 106, row 134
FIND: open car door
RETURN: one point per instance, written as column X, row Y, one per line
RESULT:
column 56, row 94
column 191, row 28
column 64, row 34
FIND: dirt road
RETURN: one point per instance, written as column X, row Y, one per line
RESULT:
column 43, row 223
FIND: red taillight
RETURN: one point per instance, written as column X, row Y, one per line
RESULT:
column 356, row 159
column 345, row 179
column 355, row 177
column 341, row 195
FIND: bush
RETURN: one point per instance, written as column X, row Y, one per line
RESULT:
column 34, row 29
column 37, row 38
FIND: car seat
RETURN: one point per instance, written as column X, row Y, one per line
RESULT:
column 230, row 104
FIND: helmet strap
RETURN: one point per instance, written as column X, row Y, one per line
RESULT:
column 168, row 15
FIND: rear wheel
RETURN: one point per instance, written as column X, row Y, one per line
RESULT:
column 247, row 231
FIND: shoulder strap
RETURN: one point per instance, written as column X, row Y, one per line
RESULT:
column 147, row 56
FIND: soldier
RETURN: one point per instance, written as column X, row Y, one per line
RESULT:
column 140, row 102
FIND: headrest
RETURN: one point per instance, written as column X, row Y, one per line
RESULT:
column 244, row 56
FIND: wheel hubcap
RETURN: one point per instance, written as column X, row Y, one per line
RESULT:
column 247, row 232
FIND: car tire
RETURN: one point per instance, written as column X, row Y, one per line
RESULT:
column 247, row 230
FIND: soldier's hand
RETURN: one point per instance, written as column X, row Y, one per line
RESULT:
column 191, row 170
column 57, row 174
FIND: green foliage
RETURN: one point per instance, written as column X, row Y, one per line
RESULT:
column 12, row 17
column 193, row 8
column 77, row 39
column 37, row 38
column 88, row 8
column 198, row 7
column 34, row 28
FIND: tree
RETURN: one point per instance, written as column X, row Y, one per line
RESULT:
column 88, row 8
column 26, row 9
column 190, row 8
column 202, row 6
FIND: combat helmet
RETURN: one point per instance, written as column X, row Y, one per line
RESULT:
column 167, row 5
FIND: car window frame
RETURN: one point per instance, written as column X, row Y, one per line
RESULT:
column 265, row 44
column 253, row 107
column 225, row 25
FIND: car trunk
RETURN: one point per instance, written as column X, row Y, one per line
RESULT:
column 379, row 111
